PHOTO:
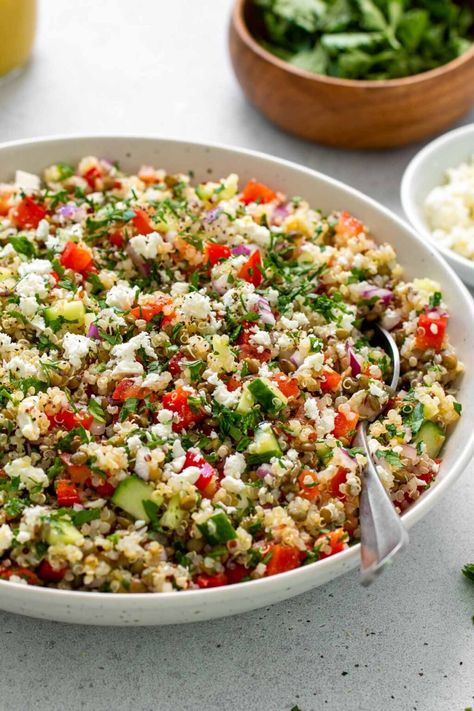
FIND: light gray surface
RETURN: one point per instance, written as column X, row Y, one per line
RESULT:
column 407, row 643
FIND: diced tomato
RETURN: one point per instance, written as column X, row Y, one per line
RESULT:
column 251, row 270
column 56, row 277
column 129, row 388
column 153, row 308
column 336, row 540
column 76, row 257
column 236, row 572
column 67, row 493
column 257, row 192
column 335, row 482
column 79, row 473
column 247, row 349
column 349, row 225
column 117, row 239
column 309, row 491
column 431, row 331
column 28, row 214
column 287, row 385
column 329, row 380
column 345, row 423
column 50, row 574
column 283, row 558
column 216, row 252
column 28, row 575
column 211, row 581
column 92, row 175
column 142, row 221
column 69, row 419
column 177, row 401
column 105, row 489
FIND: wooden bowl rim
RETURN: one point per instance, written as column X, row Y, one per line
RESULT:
column 246, row 36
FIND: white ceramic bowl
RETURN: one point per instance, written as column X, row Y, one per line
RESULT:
column 428, row 170
column 417, row 257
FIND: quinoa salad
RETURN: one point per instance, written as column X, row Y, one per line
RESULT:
column 183, row 366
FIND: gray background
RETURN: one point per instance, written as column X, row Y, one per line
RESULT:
column 155, row 66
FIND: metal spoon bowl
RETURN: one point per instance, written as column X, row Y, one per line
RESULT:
column 382, row 534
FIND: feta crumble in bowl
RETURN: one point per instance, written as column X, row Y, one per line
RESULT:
column 177, row 414
column 437, row 195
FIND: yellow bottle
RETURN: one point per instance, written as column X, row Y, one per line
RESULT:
column 17, row 33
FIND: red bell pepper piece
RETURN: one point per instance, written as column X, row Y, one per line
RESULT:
column 251, row 270
column 67, row 493
column 49, row 574
column 345, row 423
column 127, row 388
column 309, row 491
column 76, row 257
column 69, row 419
column 330, row 380
column 148, row 311
column 236, row 572
column 337, row 541
column 117, row 239
column 349, row 225
column 335, row 482
column 91, row 176
column 177, row 401
column 211, row 581
column 257, row 192
column 216, row 252
column 287, row 385
column 207, row 482
column 431, row 331
column 142, row 221
column 25, row 573
column 283, row 558
column 28, row 214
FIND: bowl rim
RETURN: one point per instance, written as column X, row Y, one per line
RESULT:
column 410, row 205
column 88, row 599
column 239, row 24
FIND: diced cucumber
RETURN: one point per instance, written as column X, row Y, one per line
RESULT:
column 267, row 395
column 433, row 436
column 173, row 515
column 246, row 401
column 264, row 446
column 62, row 531
column 218, row 529
column 72, row 311
column 205, row 191
column 130, row 495
column 324, row 452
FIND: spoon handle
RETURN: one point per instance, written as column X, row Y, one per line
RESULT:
column 382, row 532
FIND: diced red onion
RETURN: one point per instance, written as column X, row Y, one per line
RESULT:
column 211, row 215
column 93, row 332
column 384, row 295
column 280, row 212
column 241, row 249
column 353, row 360
column 346, row 459
column 409, row 452
column 138, row 260
column 220, row 285
column 264, row 309
column 69, row 212
column 296, row 358
column 263, row 470
column 436, row 312
column 391, row 319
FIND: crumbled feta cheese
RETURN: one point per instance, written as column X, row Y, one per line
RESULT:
column 6, row 537
column 29, row 476
column 122, row 296
column 150, row 246
column 375, row 389
column 125, row 355
column 248, row 228
column 261, row 338
column 31, row 419
column 157, row 381
column 32, row 285
column 311, row 409
column 234, row 465
column 225, row 397
column 36, row 266
column 196, row 305
column 77, row 347
column 28, row 182
column 22, row 368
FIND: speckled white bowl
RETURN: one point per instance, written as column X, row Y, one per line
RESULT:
column 426, row 171
column 419, row 258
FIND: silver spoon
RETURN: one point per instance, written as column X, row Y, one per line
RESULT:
column 382, row 533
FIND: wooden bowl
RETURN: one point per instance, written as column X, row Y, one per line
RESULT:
column 343, row 112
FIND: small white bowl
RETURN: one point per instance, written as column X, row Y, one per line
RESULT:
column 426, row 171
